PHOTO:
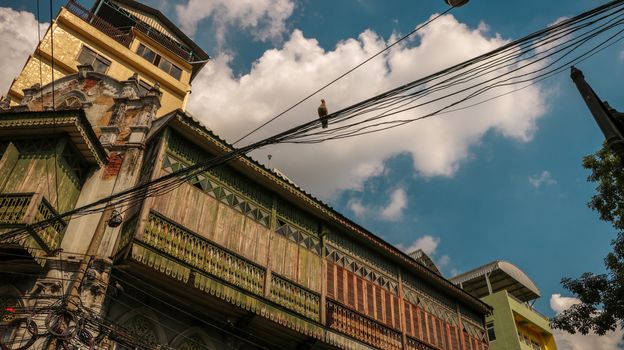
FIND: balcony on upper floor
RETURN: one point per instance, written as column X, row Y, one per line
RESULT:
column 19, row 210
column 121, row 25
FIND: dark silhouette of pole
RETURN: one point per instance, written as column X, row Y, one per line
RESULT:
column 608, row 119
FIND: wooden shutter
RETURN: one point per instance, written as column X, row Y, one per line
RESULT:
column 370, row 300
column 388, row 302
column 397, row 312
column 330, row 280
column 350, row 289
column 423, row 325
column 340, row 284
column 408, row 318
column 360, row 295
column 454, row 338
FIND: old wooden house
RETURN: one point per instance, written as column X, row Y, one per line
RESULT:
column 235, row 257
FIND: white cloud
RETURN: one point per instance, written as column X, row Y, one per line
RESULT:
column 18, row 39
column 392, row 211
column 545, row 178
column 266, row 19
column 443, row 262
column 566, row 341
column 231, row 105
column 427, row 243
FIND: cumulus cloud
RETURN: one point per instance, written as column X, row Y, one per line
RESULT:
column 545, row 178
column 18, row 39
column 429, row 245
column 392, row 211
column 266, row 19
column 231, row 105
column 566, row 341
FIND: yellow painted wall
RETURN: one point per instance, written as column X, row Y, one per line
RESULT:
column 71, row 33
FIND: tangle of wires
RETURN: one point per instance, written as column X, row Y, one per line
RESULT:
column 507, row 69
column 518, row 64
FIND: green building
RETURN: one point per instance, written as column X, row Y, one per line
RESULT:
column 514, row 323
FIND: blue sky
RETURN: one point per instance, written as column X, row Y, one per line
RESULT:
column 520, row 199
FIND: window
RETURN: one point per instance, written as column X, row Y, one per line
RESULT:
column 170, row 68
column 97, row 61
column 490, row 332
column 147, row 53
column 159, row 61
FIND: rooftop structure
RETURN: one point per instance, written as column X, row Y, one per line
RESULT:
column 514, row 323
column 496, row 276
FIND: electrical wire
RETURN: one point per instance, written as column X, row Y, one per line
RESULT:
column 127, row 282
column 388, row 47
column 508, row 61
column 178, row 309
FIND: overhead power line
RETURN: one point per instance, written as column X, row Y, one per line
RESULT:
column 388, row 47
column 519, row 63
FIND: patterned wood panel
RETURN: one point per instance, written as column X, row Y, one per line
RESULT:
column 363, row 295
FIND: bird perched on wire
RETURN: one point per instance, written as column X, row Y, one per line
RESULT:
column 322, row 113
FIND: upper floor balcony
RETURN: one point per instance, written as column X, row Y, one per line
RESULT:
column 19, row 210
column 122, row 26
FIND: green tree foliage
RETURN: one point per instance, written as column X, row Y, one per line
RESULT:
column 602, row 296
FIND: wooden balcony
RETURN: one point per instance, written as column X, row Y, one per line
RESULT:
column 22, row 209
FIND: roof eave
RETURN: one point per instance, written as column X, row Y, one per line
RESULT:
column 337, row 218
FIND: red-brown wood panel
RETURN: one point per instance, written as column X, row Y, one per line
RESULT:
column 454, row 338
column 370, row 305
column 350, row 290
column 330, row 280
column 423, row 325
column 378, row 304
column 360, row 295
column 396, row 311
column 408, row 319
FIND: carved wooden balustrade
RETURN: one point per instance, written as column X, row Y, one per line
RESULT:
column 22, row 209
column 295, row 297
column 414, row 344
column 196, row 251
column 362, row 328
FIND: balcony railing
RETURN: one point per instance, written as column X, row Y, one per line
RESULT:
column 124, row 38
column 22, row 209
column 415, row 344
column 529, row 307
column 362, row 328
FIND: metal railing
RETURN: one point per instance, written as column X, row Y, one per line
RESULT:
column 124, row 38
column 124, row 35
column 529, row 307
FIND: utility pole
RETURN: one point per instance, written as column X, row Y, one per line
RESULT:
column 610, row 121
